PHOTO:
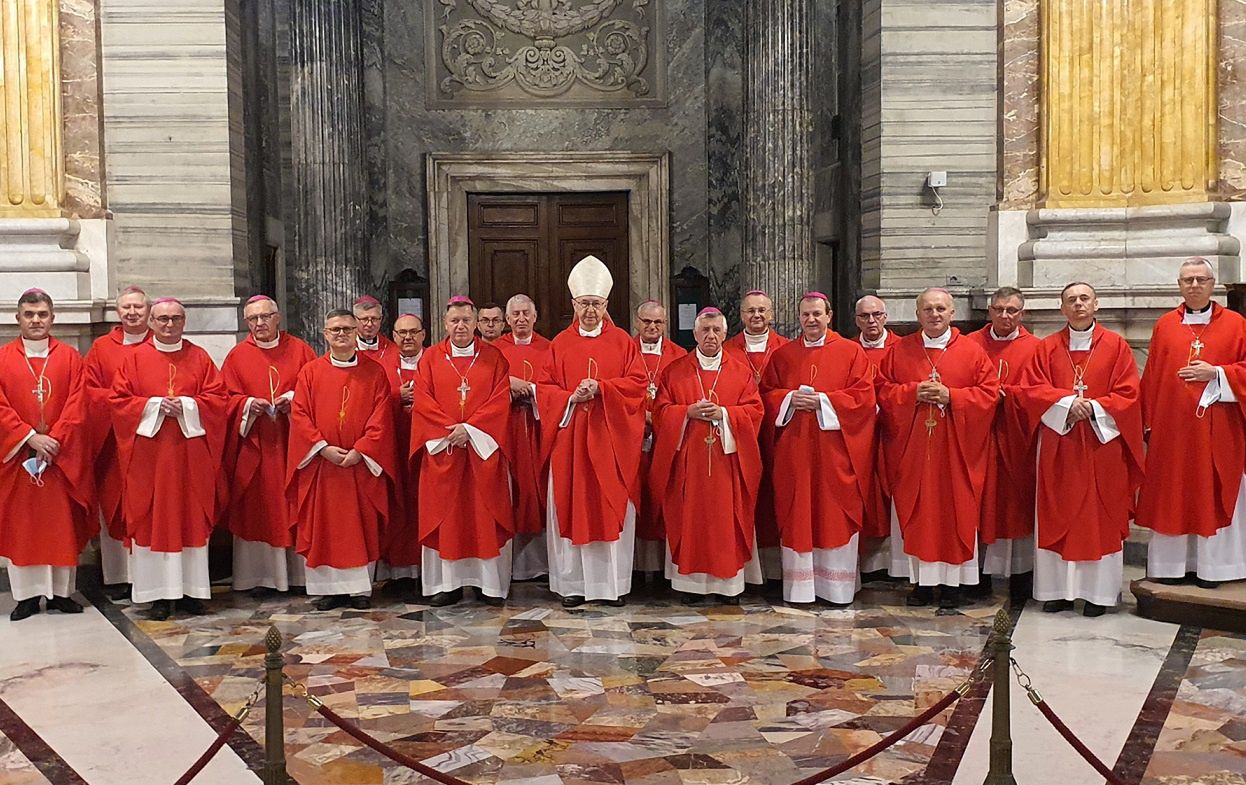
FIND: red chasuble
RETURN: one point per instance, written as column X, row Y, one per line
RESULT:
column 102, row 364
column 649, row 524
column 1008, row 496
column 401, row 544
column 255, row 464
column 339, row 513
column 936, row 474
column 878, row 506
column 594, row 462
column 1195, row 458
column 821, row 478
column 170, row 499
column 526, row 362
column 767, row 525
column 465, row 502
column 47, row 521
column 1085, row 489
column 707, row 497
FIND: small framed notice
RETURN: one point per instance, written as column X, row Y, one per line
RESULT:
column 687, row 315
column 411, row 305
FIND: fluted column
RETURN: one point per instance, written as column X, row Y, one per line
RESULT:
column 778, row 187
column 1129, row 102
column 328, row 262
column 32, row 176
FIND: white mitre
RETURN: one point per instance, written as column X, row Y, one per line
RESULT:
column 590, row 278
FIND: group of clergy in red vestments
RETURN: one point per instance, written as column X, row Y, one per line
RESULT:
column 488, row 457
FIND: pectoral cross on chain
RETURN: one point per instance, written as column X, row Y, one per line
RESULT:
column 464, row 389
column 1196, row 349
column 1080, row 388
column 41, row 394
column 709, row 448
column 931, row 422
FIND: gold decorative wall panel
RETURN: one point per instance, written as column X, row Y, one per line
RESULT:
column 31, row 167
column 1129, row 102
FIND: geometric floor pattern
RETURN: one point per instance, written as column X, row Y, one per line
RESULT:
column 650, row 694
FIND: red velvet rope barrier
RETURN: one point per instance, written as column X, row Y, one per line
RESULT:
column 1076, row 743
column 385, row 749
column 210, row 752
column 882, row 744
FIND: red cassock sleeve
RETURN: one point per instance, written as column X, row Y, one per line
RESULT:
column 71, row 431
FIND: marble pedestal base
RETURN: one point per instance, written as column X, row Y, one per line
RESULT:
column 42, row 252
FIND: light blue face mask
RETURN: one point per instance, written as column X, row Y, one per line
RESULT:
column 34, row 466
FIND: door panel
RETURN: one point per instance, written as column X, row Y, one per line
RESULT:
column 529, row 242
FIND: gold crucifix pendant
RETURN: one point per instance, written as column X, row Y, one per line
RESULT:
column 709, row 449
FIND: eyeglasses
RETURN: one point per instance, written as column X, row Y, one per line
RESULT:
column 1196, row 280
column 408, row 333
column 653, row 322
column 169, row 319
column 872, row 316
column 490, row 320
column 368, row 319
column 262, row 317
column 591, row 305
column 1005, row 311
column 339, row 330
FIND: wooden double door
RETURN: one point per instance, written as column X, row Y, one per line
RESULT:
column 527, row 243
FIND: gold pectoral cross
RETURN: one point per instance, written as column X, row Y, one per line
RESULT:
column 42, row 394
column 1196, row 349
column 709, row 448
column 464, row 389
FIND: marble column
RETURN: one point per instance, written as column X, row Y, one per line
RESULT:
column 327, row 266
column 778, row 178
column 1129, row 102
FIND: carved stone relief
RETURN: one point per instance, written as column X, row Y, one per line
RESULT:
column 538, row 53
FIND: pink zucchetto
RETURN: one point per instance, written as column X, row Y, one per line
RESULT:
column 409, row 315
column 367, row 301
column 755, row 293
column 814, row 296
column 35, row 290
column 160, row 300
column 260, row 298
column 709, row 311
column 460, row 299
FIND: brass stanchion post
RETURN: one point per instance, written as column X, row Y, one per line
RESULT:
column 1001, row 732
column 274, row 721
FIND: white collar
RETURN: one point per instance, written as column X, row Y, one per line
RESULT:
column 1079, row 340
column 129, row 339
column 591, row 333
column 756, row 343
column 410, row 363
column 1197, row 317
column 811, row 344
column 273, row 344
column 37, row 348
column 879, row 343
column 937, row 343
column 167, row 348
column 521, row 341
column 1012, row 336
column 651, row 348
column 466, row 351
column 351, row 363
column 367, row 345
column 710, row 363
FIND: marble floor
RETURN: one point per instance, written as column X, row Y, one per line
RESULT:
column 651, row 694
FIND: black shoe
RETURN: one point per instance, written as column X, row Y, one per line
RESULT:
column 331, row 601
column 1203, row 583
column 492, row 602
column 160, row 610
column 360, row 603
column 1056, row 606
column 1169, row 581
column 1093, row 611
column 398, row 587
column 920, row 597
column 618, row 602
column 725, row 600
column 25, row 609
column 443, row 598
column 574, row 601
column 116, row 592
column 192, row 605
column 64, row 605
column 949, row 597
column 691, row 600
column 1021, row 587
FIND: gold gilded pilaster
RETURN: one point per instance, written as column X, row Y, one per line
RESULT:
column 31, row 165
column 1128, row 102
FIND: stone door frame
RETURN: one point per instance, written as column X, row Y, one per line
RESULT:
column 644, row 176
